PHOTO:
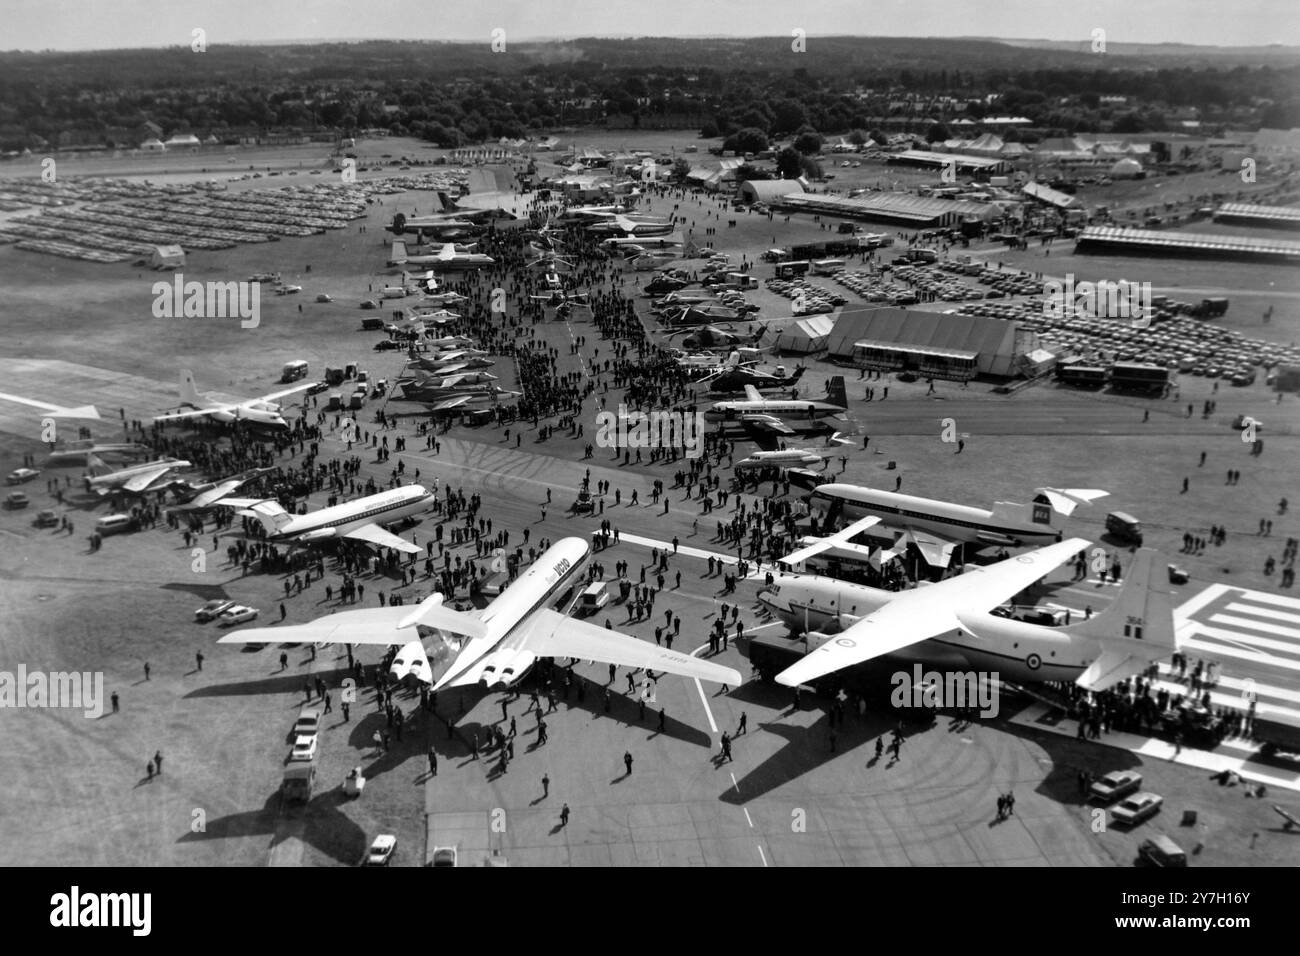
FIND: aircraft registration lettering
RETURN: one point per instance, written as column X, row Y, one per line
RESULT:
column 561, row 566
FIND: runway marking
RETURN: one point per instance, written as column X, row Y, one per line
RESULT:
column 737, row 788
column 708, row 712
column 1255, row 625
column 763, row 855
column 1243, row 637
column 1191, row 643
column 747, row 817
column 1264, row 612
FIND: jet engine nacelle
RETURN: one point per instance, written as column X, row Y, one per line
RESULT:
column 506, row 667
column 411, row 659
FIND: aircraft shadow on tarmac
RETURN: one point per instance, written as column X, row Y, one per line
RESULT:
column 809, row 748
column 279, row 682
column 324, row 827
column 204, row 592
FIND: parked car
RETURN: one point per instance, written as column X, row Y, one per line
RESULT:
column 305, row 747
column 308, row 722
column 237, row 614
column 1137, row 808
column 46, row 518
column 212, row 610
column 16, row 500
column 443, row 856
column 381, row 850
column 1162, row 851
column 324, row 297
column 1116, row 784
column 22, row 476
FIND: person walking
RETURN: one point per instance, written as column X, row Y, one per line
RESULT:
column 564, row 816
column 627, row 762
column 433, row 761
column 546, row 786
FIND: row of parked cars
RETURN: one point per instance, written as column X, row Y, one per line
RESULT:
column 1132, row 806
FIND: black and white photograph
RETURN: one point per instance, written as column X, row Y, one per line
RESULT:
column 651, row 435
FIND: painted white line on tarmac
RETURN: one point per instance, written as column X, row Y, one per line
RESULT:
column 763, row 855
column 747, row 817
column 708, row 712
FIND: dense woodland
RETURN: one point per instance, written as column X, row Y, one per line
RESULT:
column 456, row 94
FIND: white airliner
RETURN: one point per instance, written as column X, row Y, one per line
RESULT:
column 948, row 625
column 359, row 520
column 497, row 645
column 136, row 479
column 781, row 416
column 260, row 411
column 784, row 458
column 446, row 258
column 937, row 527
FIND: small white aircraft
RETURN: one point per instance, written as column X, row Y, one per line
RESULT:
column 260, row 411
column 497, row 645
column 785, row 458
column 136, row 479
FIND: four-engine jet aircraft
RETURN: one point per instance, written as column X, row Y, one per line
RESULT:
column 497, row 645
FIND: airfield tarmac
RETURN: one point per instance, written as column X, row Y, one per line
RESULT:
column 83, row 333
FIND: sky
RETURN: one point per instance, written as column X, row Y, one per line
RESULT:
column 108, row 24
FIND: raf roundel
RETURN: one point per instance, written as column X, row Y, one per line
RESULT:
column 1033, row 662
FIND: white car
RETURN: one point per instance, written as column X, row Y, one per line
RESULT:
column 1116, row 784
column 1137, row 808
column 22, row 475
column 381, row 851
column 212, row 609
column 304, row 747
column 237, row 614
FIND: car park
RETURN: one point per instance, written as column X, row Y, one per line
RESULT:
column 1137, row 808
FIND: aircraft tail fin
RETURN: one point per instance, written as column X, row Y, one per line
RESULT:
column 835, row 392
column 189, row 391
column 798, row 374
column 448, row 205
column 1137, row 629
column 399, row 255
column 97, row 465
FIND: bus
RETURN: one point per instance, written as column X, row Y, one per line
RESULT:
column 792, row 270
column 1078, row 375
column 293, row 371
column 826, row 267
column 1138, row 377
